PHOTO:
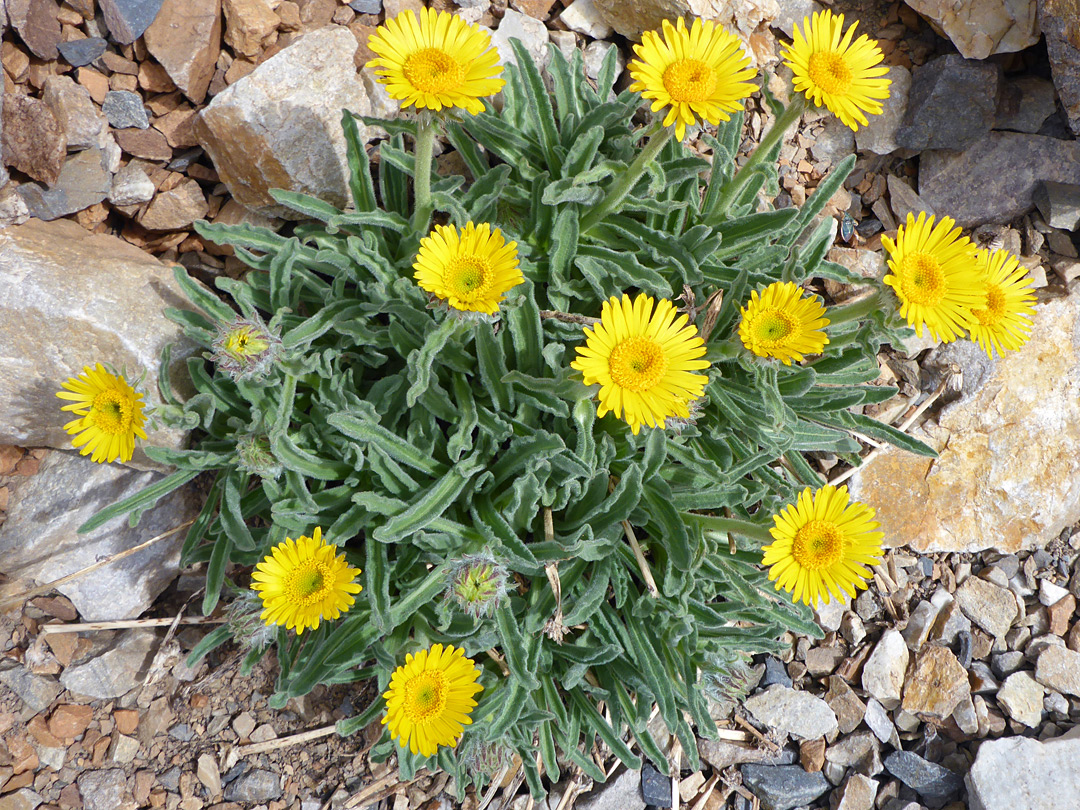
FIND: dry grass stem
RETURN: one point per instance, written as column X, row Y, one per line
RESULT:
column 292, row 739
column 89, row 627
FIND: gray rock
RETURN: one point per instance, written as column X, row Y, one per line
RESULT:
column 125, row 109
column 1021, row 697
column 102, row 789
column 80, row 52
column 36, row 691
column 366, row 6
column 39, row 540
column 774, row 673
column 722, row 754
column 782, row 787
column 858, row 793
column 531, row 32
column 254, row 787
column 1017, row 772
column 621, row 793
column 1025, row 104
column 834, row 143
column 116, row 671
column 170, row 779
column 951, row 104
column 883, row 672
column 992, row 608
column 928, row 779
column 1009, row 166
column 1059, row 669
column 655, row 787
column 131, row 186
column 1060, row 206
column 1057, row 19
column 877, row 720
column 903, row 200
column 84, row 181
column 922, row 618
column 182, row 732
column 795, row 12
column 75, row 110
column 797, row 713
column 830, row 615
column 128, row 19
column 860, row 751
column 596, row 53
column 1005, row 664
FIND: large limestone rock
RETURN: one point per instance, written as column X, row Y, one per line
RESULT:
column 1008, row 474
column 631, row 18
column 39, row 540
column 69, row 299
column 280, row 126
column 979, row 28
column 1017, row 772
column 1060, row 20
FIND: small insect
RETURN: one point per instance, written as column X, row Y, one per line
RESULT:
column 847, row 229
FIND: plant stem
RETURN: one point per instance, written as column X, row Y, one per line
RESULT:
column 856, row 310
column 790, row 115
column 425, row 145
column 621, row 187
column 713, row 523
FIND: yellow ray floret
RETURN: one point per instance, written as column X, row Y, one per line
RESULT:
column 437, row 60
column 303, row 581
column 643, row 361
column 934, row 273
column 109, row 414
column 1005, row 323
column 783, row 323
column 821, row 544
column 831, row 70
column 698, row 74
column 470, row 269
column 430, row 699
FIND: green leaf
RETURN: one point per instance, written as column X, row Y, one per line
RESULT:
column 538, row 104
column 360, row 182
column 140, row 501
column 363, row 427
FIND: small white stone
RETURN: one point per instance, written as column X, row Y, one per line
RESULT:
column 565, row 41
column 596, row 52
column 532, row 33
column 1021, row 697
column 798, row 713
column 883, row 672
column 584, row 17
column 131, row 186
column 1049, row 593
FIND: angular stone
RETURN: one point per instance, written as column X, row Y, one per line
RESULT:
column 37, row 24
column 36, row 691
column 1059, row 614
column 1021, row 697
column 131, row 186
column 928, row 779
column 531, row 32
column 883, row 672
column 125, row 109
column 951, row 104
column 247, row 24
column 254, row 787
column 366, row 6
column 879, row 136
column 1017, row 772
column 845, row 703
column 633, row 17
column 75, row 111
column 992, row 608
column 621, row 793
column 782, row 787
column 1059, row 204
column 860, row 751
column 102, row 789
column 186, row 39
column 1058, row 668
column 80, row 52
column 903, row 200
column 812, row 754
column 83, row 182
column 858, row 793
column 936, row 685
column 128, row 19
column 148, row 144
column 1060, row 23
column 33, row 140
column 70, row 720
column 175, row 209
column 1010, row 165
column 983, row 27
column 116, row 671
column 584, row 17
column 1024, row 104
column 798, row 713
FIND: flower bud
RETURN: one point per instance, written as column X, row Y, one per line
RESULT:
column 243, row 615
column 254, row 456
column 477, row 583
column 245, row 348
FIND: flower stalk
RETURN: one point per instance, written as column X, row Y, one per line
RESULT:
column 714, row 523
column 425, row 147
column 856, row 310
column 618, row 191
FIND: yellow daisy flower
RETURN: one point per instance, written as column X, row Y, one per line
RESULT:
column 643, row 361
column 302, row 581
column 1005, row 323
column 934, row 273
column 430, row 699
column 470, row 269
column 109, row 414
column 697, row 73
column 782, row 323
column 837, row 73
column 436, row 61
column 821, row 544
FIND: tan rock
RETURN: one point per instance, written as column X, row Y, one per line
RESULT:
column 233, row 213
column 993, row 486
column 1058, row 668
column 936, row 684
column 178, row 127
column 248, row 24
column 33, row 140
column 69, row 720
column 1059, row 614
column 175, row 209
column 75, row 110
column 95, row 83
column 186, row 39
column 154, row 78
column 148, row 144
column 980, row 28
column 631, row 18
column 127, row 720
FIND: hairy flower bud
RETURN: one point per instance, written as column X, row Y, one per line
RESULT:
column 254, row 455
column 245, row 348
column 477, row 583
column 244, row 616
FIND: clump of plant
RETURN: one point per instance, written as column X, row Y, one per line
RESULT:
column 491, row 439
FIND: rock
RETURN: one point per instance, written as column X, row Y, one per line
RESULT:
column 248, row 23
column 280, row 126
column 83, row 182
column 879, row 136
column 858, row 793
column 531, row 32
column 131, row 186
column 812, row 754
column 633, row 17
column 919, row 625
column 774, row 673
column 621, row 793
column 845, row 703
column 24, row 799
column 1058, row 20
column 989, row 606
column 584, row 17
column 13, row 210
column 795, row 12
column 128, row 19
column 983, row 28
column 1005, row 664
column 69, row 720
column 33, row 140
column 254, row 787
column 116, row 671
column 209, row 774
column 125, row 109
column 1011, row 163
column 366, row 6
column 596, row 53
column 1017, row 772
column 782, row 787
column 834, row 143
column 124, row 749
column 928, row 779
column 903, row 200
column 75, row 111
column 1024, row 104
column 102, row 789
column 967, row 719
column 829, row 616
column 951, row 104
column 1022, row 699
column 80, row 52
column 655, row 787
column 149, row 144
column 722, row 754
column 186, row 39
column 1058, row 668
column 936, row 685
column 1059, row 204
column 860, row 751
column 36, row 691
column 798, row 713
column 877, row 720
column 175, row 209
column 1059, row 614
column 821, row 661
column 883, row 672
column 38, row 24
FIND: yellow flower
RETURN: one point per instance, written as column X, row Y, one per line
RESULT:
column 1005, row 323
column 643, row 361
column 301, row 582
column 437, row 61
column 110, row 414
column 696, row 73
column 430, row 699
column 821, row 544
column 837, row 73
column 470, row 269
column 781, row 323
column 934, row 273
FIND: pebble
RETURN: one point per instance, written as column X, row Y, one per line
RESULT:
column 782, row 787
column 366, row 6
column 182, row 732
column 102, row 789
column 989, row 606
column 254, row 787
column 621, row 793
column 883, row 672
column 24, row 799
column 951, row 104
column 243, row 724
column 175, row 209
column 125, row 109
column 951, row 621
column 1017, row 772
column 845, row 703
column 877, row 720
column 124, row 749
column 655, row 787
column 919, row 625
column 860, row 751
column 1058, row 668
column 1021, row 696
column 798, row 713
column 209, row 774
column 80, row 52
column 1049, row 593
column 128, row 19
column 1059, row 203
column 116, row 671
column 70, row 720
column 584, row 17
column 531, row 32
column 928, row 779
column 858, row 793
column 936, row 685
column 966, row 717
column 131, row 186
column 1005, row 664
column 775, row 673
column 36, row 691
column 34, row 142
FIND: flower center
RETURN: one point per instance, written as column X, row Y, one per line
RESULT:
column 308, row 582
column 433, row 70
column 425, row 696
column 922, row 279
column 830, row 72
column 995, row 306
column 637, row 364
column 689, row 80
column 819, row 544
column 244, row 342
column 773, row 327
column 111, row 412
column 469, row 277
